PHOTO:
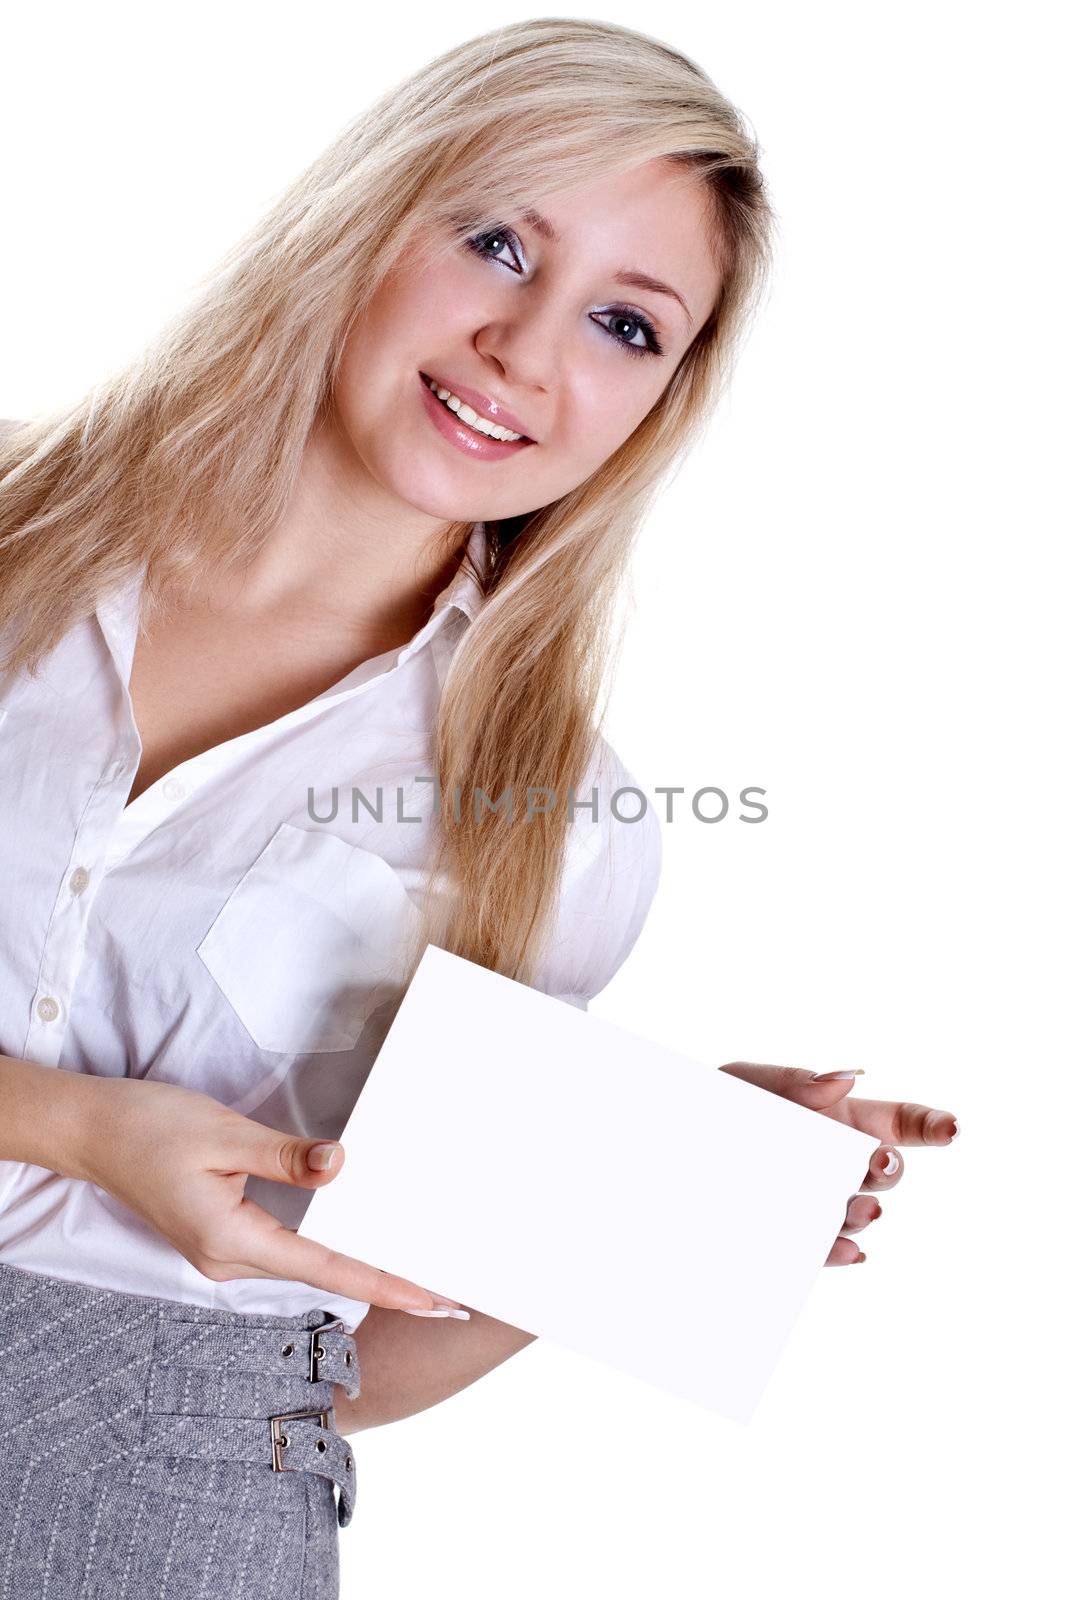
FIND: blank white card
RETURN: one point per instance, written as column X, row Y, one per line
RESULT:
column 589, row 1186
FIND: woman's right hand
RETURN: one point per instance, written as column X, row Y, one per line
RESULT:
column 180, row 1159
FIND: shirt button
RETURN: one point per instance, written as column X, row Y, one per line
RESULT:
column 78, row 880
column 173, row 789
column 47, row 1008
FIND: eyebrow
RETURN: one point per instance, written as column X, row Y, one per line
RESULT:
column 630, row 276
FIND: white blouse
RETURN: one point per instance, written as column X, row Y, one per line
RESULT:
column 224, row 932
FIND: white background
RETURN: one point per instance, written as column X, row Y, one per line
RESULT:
column 850, row 597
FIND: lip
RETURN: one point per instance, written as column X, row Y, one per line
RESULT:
column 491, row 410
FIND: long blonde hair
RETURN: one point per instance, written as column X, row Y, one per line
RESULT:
column 188, row 456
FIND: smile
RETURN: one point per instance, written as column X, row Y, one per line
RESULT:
column 471, row 417
column 467, row 428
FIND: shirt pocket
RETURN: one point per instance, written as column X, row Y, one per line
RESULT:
column 310, row 941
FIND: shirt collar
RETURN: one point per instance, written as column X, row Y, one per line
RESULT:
column 464, row 593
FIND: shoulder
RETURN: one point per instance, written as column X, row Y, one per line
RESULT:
column 610, row 876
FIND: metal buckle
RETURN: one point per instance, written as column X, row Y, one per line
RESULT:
column 317, row 1351
column 279, row 1439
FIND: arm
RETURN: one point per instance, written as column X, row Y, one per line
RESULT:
column 180, row 1160
column 406, row 1363
column 407, row 1366
column 42, row 1113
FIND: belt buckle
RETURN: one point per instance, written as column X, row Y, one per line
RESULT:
column 279, row 1439
column 318, row 1353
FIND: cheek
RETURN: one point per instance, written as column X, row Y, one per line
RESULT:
column 384, row 351
column 605, row 406
column 419, row 311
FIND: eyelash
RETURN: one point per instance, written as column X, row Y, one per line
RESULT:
column 652, row 346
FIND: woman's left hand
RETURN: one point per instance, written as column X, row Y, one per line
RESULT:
column 895, row 1122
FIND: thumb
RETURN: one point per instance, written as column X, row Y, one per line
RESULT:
column 824, row 1089
column 820, row 1090
column 307, row 1163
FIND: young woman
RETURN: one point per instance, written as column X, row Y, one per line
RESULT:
column 344, row 542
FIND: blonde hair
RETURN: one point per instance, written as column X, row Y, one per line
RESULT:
column 187, row 457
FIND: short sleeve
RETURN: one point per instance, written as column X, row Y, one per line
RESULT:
column 610, row 876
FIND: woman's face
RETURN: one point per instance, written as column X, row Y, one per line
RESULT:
column 539, row 334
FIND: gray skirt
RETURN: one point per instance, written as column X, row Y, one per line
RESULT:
column 154, row 1448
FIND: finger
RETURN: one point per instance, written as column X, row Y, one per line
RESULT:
column 844, row 1252
column 885, row 1170
column 902, row 1121
column 860, row 1212
column 892, row 1121
column 264, row 1248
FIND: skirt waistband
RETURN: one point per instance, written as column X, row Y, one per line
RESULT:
column 161, row 1381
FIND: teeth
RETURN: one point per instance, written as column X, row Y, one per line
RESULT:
column 471, row 417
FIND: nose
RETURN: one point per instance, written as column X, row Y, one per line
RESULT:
column 525, row 344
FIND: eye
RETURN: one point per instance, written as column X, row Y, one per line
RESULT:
column 504, row 236
column 633, row 319
column 481, row 243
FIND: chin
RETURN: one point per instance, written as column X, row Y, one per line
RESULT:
column 420, row 484
column 428, row 500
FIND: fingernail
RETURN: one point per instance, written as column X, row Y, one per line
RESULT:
column 892, row 1162
column 321, row 1157
column 955, row 1128
column 835, row 1077
column 861, row 1257
column 440, row 1311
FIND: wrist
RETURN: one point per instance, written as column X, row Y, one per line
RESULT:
column 44, row 1112
column 67, row 1134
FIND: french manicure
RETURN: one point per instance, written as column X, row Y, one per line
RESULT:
column 892, row 1162
column 440, row 1311
column 836, row 1077
column 321, row 1157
